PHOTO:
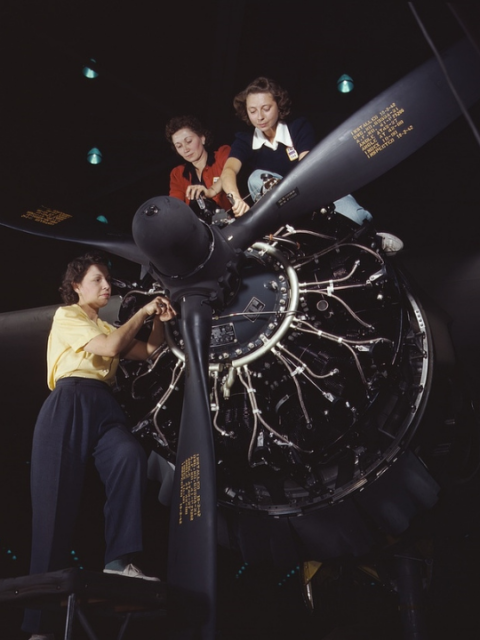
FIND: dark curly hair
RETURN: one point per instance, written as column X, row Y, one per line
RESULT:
column 262, row 85
column 186, row 122
column 76, row 270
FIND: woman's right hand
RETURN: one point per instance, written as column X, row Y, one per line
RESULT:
column 229, row 185
column 195, row 191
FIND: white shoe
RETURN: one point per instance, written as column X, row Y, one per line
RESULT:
column 390, row 243
column 131, row 571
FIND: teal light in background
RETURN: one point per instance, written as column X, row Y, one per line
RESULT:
column 345, row 84
column 76, row 558
column 241, row 570
column 94, row 156
column 11, row 555
column 89, row 70
column 102, row 219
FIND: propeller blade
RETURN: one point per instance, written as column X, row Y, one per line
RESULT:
column 193, row 534
column 376, row 138
column 197, row 266
column 54, row 223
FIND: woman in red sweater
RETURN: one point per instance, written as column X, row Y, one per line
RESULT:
column 199, row 175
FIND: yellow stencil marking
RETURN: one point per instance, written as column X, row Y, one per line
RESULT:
column 46, row 216
column 189, row 507
column 382, row 130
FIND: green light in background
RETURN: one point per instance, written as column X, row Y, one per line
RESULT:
column 94, row 156
column 345, row 84
column 89, row 70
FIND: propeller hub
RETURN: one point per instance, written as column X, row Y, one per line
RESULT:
column 190, row 257
column 176, row 242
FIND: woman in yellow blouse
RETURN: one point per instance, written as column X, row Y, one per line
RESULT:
column 81, row 418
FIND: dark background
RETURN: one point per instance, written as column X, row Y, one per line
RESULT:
column 157, row 60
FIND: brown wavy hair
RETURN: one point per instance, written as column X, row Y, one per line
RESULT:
column 75, row 272
column 186, row 122
column 262, row 85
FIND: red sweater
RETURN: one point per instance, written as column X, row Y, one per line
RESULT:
column 180, row 177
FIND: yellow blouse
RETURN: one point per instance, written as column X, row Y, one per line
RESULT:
column 71, row 330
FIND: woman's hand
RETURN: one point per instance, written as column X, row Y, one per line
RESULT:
column 239, row 206
column 161, row 308
column 229, row 185
column 195, row 191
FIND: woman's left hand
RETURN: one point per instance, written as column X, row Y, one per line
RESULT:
column 167, row 312
column 161, row 308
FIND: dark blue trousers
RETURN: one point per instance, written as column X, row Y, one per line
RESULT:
column 79, row 419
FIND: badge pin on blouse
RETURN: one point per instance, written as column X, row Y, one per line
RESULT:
column 292, row 154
